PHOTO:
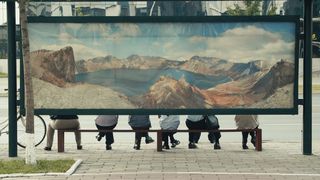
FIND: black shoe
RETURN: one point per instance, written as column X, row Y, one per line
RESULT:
column 192, row 146
column 149, row 140
column 98, row 137
column 175, row 143
column 216, row 146
column 47, row 148
column 253, row 141
column 136, row 147
column 165, row 146
column 244, row 146
column 79, row 147
column 108, row 147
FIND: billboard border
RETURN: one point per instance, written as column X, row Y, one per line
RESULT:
column 183, row 19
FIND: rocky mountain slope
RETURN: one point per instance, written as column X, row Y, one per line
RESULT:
column 78, row 96
column 56, row 67
column 196, row 64
column 251, row 82
column 171, row 93
column 131, row 62
column 279, row 75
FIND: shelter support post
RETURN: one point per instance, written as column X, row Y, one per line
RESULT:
column 12, row 78
column 307, row 79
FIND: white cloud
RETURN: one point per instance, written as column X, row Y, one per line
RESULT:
column 247, row 43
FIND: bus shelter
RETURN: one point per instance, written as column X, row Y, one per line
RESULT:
column 149, row 54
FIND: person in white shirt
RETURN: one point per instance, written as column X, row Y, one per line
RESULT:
column 169, row 122
column 247, row 122
column 106, row 122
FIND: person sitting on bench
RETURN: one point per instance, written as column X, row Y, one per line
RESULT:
column 212, row 123
column 201, row 122
column 63, row 122
column 106, row 122
column 169, row 122
column 194, row 122
column 247, row 122
column 140, row 122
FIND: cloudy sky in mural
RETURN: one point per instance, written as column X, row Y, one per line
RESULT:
column 178, row 41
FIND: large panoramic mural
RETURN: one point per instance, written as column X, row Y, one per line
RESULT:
column 163, row 65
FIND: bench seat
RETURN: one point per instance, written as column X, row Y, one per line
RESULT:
column 159, row 134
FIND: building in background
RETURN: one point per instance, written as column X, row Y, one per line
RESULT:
column 155, row 8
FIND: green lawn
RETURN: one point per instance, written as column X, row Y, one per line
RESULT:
column 43, row 166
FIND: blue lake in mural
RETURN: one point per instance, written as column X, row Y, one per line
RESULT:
column 133, row 82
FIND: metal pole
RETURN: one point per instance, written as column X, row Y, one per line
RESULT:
column 12, row 78
column 307, row 79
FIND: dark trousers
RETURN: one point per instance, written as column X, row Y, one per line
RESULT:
column 109, row 135
column 166, row 136
column 245, row 136
column 213, row 136
column 199, row 125
column 139, row 135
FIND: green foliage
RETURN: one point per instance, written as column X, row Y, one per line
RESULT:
column 253, row 7
column 42, row 166
column 249, row 8
column 79, row 11
column 272, row 11
column 236, row 11
column 3, row 75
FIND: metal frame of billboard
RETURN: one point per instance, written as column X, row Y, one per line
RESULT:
column 208, row 19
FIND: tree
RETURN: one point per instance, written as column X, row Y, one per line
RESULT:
column 250, row 8
column 29, row 101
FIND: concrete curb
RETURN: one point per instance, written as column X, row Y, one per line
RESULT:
column 74, row 167
column 70, row 171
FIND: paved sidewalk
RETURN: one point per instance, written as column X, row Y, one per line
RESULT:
column 276, row 161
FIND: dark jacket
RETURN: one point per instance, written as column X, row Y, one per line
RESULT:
column 54, row 117
column 139, row 121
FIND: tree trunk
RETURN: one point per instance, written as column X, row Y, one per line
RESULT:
column 29, row 102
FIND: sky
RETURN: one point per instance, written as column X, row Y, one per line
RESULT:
column 3, row 13
column 180, row 41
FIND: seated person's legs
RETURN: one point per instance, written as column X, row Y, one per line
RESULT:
column 174, row 142
column 50, row 135
column 244, row 140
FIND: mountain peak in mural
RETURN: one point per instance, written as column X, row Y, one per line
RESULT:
column 171, row 93
column 56, row 67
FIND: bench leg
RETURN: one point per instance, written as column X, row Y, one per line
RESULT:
column 159, row 141
column 258, row 140
column 60, row 141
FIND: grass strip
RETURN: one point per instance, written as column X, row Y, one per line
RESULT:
column 42, row 166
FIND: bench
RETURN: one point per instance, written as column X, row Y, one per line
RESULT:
column 159, row 134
